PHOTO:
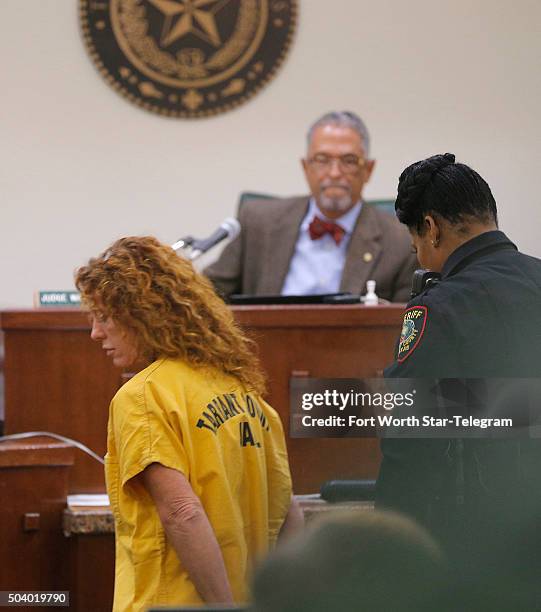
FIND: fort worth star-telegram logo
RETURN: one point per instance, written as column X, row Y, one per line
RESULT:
column 188, row 58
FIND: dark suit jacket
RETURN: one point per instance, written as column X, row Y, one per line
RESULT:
column 483, row 321
column 257, row 261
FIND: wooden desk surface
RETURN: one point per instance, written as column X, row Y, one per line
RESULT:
column 36, row 451
column 273, row 315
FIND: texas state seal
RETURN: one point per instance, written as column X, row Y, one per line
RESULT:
column 188, row 58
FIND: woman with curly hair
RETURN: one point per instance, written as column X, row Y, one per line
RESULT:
column 196, row 465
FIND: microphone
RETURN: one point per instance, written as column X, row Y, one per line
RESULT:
column 182, row 243
column 229, row 229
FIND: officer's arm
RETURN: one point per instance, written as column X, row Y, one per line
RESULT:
column 427, row 347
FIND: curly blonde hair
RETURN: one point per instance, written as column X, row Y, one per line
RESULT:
column 171, row 310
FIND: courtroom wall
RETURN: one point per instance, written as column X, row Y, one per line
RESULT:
column 80, row 166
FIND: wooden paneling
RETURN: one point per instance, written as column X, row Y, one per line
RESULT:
column 33, row 489
column 57, row 379
column 91, row 572
column 323, row 342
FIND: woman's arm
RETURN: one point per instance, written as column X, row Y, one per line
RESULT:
column 294, row 521
column 189, row 531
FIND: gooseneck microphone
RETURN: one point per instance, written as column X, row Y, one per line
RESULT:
column 182, row 243
column 229, row 229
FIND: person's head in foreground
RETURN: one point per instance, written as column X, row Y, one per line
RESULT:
column 373, row 561
column 443, row 204
column 146, row 302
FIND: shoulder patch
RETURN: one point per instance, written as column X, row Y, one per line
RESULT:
column 413, row 328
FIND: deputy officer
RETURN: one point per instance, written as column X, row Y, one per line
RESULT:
column 483, row 319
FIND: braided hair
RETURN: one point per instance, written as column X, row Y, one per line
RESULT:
column 440, row 187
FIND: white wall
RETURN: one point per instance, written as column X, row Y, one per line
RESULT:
column 80, row 166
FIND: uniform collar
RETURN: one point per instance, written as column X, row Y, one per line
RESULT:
column 476, row 247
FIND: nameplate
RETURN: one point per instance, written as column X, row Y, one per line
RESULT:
column 57, row 298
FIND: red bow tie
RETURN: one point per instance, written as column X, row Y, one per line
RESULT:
column 318, row 227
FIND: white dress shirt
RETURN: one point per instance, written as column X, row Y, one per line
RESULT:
column 316, row 266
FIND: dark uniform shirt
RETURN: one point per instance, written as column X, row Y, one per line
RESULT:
column 482, row 320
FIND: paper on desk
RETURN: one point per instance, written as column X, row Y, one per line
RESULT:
column 88, row 499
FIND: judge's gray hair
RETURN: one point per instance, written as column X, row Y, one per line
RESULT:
column 343, row 119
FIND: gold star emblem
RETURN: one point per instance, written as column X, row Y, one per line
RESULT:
column 190, row 18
